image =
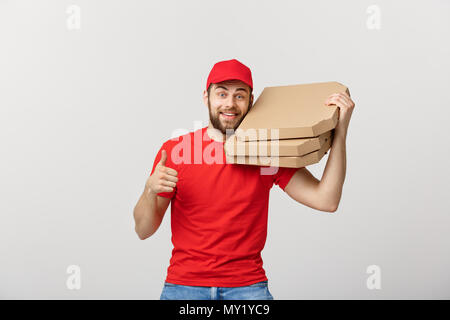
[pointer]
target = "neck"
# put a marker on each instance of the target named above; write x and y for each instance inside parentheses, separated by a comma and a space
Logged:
(215, 134)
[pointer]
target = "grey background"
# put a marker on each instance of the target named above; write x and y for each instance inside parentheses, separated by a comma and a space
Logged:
(83, 113)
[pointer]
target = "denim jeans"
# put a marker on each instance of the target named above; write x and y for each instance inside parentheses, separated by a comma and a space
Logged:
(256, 291)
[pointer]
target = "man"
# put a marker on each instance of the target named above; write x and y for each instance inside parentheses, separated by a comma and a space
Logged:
(219, 211)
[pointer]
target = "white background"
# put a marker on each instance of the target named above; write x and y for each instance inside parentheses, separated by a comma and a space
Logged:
(84, 111)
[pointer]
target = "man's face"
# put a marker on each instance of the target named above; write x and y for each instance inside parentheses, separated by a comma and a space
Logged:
(228, 104)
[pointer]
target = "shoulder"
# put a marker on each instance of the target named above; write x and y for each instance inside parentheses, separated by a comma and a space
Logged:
(179, 146)
(183, 136)
(177, 138)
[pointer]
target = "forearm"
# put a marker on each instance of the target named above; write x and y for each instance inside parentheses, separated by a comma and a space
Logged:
(146, 215)
(333, 177)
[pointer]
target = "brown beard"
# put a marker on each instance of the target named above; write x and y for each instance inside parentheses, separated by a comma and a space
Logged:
(215, 121)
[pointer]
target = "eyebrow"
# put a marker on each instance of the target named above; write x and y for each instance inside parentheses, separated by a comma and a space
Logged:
(218, 87)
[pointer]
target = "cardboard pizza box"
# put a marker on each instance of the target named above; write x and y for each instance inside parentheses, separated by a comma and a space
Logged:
(285, 147)
(289, 162)
(293, 111)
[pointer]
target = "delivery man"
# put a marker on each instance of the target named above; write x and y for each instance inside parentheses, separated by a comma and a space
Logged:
(219, 210)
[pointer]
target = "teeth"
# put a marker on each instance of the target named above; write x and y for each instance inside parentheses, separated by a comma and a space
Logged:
(229, 114)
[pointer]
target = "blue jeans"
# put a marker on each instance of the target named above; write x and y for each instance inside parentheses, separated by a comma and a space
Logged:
(256, 291)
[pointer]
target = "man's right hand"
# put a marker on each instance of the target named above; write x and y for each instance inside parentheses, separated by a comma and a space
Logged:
(163, 179)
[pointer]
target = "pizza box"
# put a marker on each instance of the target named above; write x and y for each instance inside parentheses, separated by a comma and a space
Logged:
(292, 111)
(284, 147)
(289, 162)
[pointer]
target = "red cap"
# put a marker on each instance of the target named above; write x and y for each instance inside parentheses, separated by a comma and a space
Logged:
(229, 70)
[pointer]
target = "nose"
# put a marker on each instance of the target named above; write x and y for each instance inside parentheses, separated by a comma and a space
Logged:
(230, 102)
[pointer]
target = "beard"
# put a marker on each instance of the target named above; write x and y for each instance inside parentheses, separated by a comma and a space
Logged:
(230, 125)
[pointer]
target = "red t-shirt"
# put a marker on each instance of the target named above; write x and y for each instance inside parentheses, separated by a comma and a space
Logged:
(218, 213)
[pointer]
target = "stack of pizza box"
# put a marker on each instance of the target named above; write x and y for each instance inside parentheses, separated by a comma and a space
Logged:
(288, 126)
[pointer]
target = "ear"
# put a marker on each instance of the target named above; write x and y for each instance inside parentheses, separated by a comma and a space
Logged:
(205, 97)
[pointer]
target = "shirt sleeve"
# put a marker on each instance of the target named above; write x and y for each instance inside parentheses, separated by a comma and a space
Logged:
(283, 176)
(169, 164)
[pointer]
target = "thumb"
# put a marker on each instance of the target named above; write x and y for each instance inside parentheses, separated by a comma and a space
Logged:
(163, 158)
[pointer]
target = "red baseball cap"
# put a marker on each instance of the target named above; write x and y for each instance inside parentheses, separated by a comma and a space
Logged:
(230, 70)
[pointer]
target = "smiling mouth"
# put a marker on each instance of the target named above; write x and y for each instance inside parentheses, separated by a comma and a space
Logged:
(227, 115)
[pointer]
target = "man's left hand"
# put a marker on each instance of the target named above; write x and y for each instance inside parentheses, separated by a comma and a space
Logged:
(346, 105)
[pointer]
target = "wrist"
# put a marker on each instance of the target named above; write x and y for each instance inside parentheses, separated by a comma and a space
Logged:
(149, 193)
(340, 133)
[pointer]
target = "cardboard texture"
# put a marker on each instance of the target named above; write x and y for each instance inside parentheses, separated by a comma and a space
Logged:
(293, 111)
(289, 162)
(286, 147)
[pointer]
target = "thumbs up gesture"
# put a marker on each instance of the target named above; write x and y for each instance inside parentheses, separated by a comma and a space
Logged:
(163, 179)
